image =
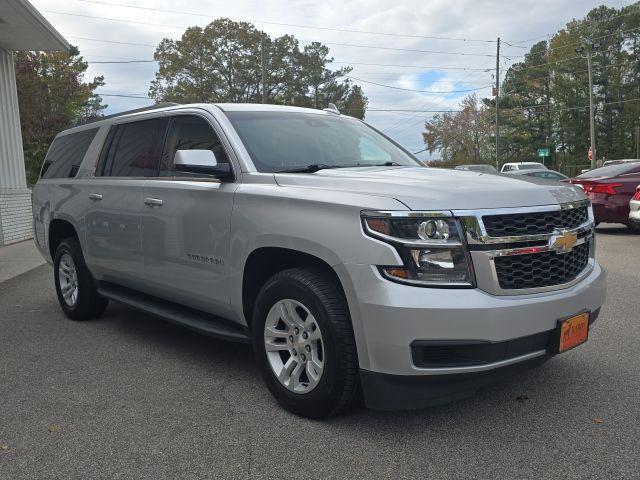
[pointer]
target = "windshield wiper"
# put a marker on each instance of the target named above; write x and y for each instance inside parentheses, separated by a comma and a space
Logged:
(314, 167)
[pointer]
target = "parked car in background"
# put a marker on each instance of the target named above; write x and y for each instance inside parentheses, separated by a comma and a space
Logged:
(610, 189)
(634, 211)
(541, 173)
(482, 168)
(616, 162)
(515, 166)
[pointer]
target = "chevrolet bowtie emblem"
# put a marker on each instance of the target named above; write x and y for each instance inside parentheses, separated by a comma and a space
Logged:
(563, 242)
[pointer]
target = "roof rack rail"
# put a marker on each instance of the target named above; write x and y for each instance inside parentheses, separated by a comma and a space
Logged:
(135, 110)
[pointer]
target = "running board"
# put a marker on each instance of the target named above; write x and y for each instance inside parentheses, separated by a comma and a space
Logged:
(187, 317)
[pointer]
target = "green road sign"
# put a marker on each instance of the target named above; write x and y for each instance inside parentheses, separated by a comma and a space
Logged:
(543, 152)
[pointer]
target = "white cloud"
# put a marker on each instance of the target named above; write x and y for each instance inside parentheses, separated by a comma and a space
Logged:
(515, 20)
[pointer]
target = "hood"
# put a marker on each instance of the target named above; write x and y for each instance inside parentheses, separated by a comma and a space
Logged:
(438, 189)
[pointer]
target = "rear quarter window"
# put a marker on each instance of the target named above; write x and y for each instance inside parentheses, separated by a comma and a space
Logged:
(66, 153)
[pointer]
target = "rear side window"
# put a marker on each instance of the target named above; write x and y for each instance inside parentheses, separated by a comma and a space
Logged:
(190, 132)
(66, 153)
(136, 152)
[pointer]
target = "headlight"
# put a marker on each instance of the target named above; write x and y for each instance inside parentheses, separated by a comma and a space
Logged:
(431, 246)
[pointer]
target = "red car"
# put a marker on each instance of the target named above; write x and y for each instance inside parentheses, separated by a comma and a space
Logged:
(610, 189)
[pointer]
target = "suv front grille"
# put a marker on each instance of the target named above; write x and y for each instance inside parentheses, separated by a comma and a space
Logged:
(543, 269)
(534, 223)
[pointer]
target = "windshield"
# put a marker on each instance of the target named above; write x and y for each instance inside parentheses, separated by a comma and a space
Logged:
(611, 170)
(530, 166)
(284, 140)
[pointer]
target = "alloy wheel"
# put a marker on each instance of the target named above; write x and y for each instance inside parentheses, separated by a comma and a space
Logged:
(293, 343)
(68, 279)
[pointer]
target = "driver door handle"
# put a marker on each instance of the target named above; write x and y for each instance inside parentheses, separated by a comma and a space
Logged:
(95, 196)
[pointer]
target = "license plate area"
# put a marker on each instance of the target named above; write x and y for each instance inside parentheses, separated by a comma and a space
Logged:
(573, 331)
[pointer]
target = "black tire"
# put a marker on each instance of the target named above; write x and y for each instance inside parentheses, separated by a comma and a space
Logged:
(88, 304)
(633, 227)
(339, 385)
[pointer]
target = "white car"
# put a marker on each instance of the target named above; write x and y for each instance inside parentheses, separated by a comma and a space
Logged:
(515, 166)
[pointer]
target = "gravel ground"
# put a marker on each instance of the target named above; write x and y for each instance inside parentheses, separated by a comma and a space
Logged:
(128, 396)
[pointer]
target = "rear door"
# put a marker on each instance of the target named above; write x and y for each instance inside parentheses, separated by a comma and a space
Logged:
(130, 156)
(185, 222)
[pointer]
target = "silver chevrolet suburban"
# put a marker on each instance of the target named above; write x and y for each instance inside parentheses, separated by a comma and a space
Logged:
(353, 270)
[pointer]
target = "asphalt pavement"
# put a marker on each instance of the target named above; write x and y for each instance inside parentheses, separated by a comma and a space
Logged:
(129, 396)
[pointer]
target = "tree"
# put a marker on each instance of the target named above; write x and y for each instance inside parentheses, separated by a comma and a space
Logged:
(356, 103)
(222, 62)
(462, 137)
(545, 97)
(52, 96)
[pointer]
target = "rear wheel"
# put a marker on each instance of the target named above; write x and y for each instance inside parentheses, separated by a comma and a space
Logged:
(304, 343)
(75, 286)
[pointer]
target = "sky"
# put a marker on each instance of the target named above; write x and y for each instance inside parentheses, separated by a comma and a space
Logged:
(419, 56)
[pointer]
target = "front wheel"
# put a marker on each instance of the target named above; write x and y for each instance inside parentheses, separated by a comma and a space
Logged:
(304, 343)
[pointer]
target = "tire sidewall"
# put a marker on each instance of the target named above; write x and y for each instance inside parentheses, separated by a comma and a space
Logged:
(85, 304)
(317, 402)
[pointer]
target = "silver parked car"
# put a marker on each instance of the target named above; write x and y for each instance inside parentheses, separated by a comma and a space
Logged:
(481, 168)
(350, 268)
(544, 173)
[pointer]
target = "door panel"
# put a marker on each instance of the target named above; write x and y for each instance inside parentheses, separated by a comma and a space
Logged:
(112, 224)
(185, 242)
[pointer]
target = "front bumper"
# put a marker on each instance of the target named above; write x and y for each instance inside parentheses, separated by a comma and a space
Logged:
(394, 316)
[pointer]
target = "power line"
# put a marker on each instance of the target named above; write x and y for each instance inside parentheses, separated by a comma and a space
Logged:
(403, 124)
(561, 109)
(421, 67)
(588, 22)
(352, 45)
(431, 67)
(122, 61)
(123, 95)
(316, 27)
(419, 91)
(113, 41)
(400, 110)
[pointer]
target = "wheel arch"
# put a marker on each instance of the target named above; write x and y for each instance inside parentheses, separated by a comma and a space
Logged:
(264, 262)
(59, 229)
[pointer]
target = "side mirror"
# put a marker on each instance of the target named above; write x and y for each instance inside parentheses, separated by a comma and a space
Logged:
(200, 161)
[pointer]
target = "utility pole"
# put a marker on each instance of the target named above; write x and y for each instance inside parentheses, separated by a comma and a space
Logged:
(638, 142)
(592, 119)
(263, 60)
(497, 105)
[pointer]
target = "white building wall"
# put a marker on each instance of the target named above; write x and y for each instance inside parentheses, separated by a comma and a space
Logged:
(15, 198)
